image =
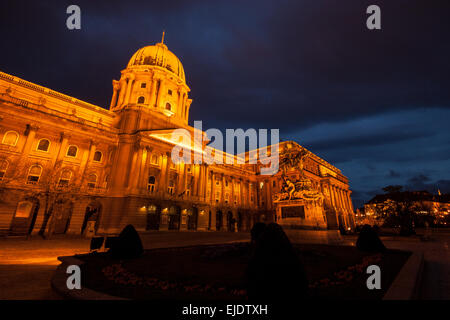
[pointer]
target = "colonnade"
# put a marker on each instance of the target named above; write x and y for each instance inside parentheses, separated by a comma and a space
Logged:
(154, 97)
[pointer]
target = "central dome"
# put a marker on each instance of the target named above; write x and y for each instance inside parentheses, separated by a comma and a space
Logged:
(158, 55)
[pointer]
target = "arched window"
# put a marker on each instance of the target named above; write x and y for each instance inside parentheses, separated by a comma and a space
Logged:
(151, 184)
(98, 156)
(43, 145)
(10, 138)
(168, 106)
(92, 181)
(3, 167)
(170, 188)
(72, 151)
(23, 209)
(34, 174)
(141, 100)
(65, 177)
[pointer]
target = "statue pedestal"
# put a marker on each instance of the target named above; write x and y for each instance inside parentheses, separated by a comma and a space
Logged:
(304, 222)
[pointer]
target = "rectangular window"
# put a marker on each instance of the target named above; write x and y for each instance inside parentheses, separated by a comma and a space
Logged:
(33, 179)
(63, 182)
(143, 85)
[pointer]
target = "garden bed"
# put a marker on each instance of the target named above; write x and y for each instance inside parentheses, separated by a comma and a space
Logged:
(216, 272)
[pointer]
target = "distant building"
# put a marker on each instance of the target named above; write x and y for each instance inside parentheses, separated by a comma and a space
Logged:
(376, 210)
(69, 167)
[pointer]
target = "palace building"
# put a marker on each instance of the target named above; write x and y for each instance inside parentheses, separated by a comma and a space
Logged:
(70, 167)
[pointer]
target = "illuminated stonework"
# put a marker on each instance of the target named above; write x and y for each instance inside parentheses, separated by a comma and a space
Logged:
(67, 166)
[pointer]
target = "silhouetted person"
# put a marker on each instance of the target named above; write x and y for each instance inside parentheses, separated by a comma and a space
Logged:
(128, 245)
(368, 240)
(96, 243)
(257, 230)
(275, 272)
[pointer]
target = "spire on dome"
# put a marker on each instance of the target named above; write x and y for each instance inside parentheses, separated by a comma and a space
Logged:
(162, 39)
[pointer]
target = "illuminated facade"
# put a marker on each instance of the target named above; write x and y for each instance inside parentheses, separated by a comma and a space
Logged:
(70, 167)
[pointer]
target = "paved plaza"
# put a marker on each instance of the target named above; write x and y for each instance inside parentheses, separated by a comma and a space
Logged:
(27, 265)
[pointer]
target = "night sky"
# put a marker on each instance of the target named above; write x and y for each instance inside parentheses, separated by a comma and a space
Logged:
(376, 104)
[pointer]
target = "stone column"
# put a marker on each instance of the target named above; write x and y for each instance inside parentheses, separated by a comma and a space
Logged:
(270, 194)
(85, 159)
(247, 193)
(213, 218)
(241, 193)
(31, 130)
(232, 191)
(168, 170)
(222, 197)
(211, 187)
(204, 181)
(185, 176)
(145, 161)
(142, 158)
(344, 199)
(122, 91)
(336, 199)
(116, 87)
(153, 92)
(160, 94)
(131, 78)
(200, 180)
(134, 163)
(195, 177)
(184, 105)
(350, 201)
(163, 176)
(64, 140)
(179, 106)
(57, 158)
(341, 199)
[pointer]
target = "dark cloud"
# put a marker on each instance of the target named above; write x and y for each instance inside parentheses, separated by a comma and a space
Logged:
(393, 174)
(419, 179)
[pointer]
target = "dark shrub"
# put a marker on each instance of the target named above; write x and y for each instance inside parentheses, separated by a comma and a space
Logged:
(128, 245)
(257, 230)
(275, 272)
(109, 242)
(96, 243)
(369, 241)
